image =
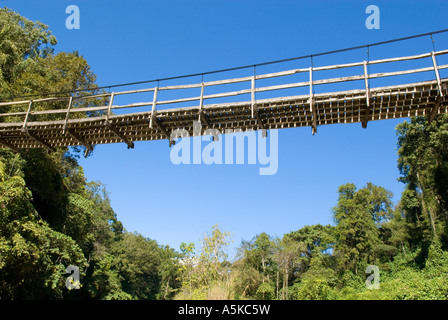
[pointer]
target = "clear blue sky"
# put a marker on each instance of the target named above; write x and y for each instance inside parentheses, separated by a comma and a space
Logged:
(126, 41)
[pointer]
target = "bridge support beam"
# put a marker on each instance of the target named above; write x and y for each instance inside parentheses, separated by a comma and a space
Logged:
(202, 117)
(32, 135)
(162, 128)
(8, 145)
(261, 126)
(81, 140)
(434, 109)
(40, 141)
(121, 135)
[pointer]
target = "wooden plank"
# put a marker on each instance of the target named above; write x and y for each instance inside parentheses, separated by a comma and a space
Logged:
(11, 114)
(183, 86)
(34, 100)
(227, 81)
(134, 91)
(404, 72)
(398, 59)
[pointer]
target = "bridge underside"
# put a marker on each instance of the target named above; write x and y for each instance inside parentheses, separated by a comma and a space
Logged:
(416, 99)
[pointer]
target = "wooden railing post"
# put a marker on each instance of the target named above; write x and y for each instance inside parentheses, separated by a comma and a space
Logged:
(366, 82)
(436, 106)
(312, 105)
(153, 109)
(436, 70)
(70, 101)
(109, 109)
(24, 129)
(252, 95)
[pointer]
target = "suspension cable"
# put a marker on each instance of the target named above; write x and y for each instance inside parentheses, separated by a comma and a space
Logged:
(242, 67)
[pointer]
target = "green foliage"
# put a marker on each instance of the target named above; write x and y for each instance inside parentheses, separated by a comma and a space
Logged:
(137, 260)
(22, 40)
(265, 291)
(52, 217)
(33, 256)
(202, 276)
(358, 215)
(423, 164)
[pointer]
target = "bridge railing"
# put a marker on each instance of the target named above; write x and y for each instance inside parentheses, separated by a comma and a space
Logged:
(68, 109)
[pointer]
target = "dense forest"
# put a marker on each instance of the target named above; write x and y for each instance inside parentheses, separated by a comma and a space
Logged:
(52, 217)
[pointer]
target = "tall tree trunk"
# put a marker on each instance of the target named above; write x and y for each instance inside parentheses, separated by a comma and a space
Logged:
(425, 208)
(166, 289)
(264, 268)
(283, 286)
(286, 283)
(402, 246)
(277, 283)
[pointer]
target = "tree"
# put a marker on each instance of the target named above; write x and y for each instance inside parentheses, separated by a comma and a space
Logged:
(318, 239)
(423, 165)
(22, 41)
(213, 253)
(33, 256)
(258, 252)
(169, 273)
(358, 215)
(137, 260)
(288, 256)
(61, 219)
(255, 267)
(207, 275)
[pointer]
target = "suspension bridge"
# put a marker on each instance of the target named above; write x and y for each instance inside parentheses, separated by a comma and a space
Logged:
(71, 123)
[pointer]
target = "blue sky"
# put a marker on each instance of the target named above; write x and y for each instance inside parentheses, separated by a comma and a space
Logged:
(127, 41)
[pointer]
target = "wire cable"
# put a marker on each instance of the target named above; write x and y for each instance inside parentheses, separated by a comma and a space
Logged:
(240, 67)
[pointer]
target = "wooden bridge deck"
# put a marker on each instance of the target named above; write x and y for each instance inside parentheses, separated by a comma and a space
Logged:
(313, 110)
